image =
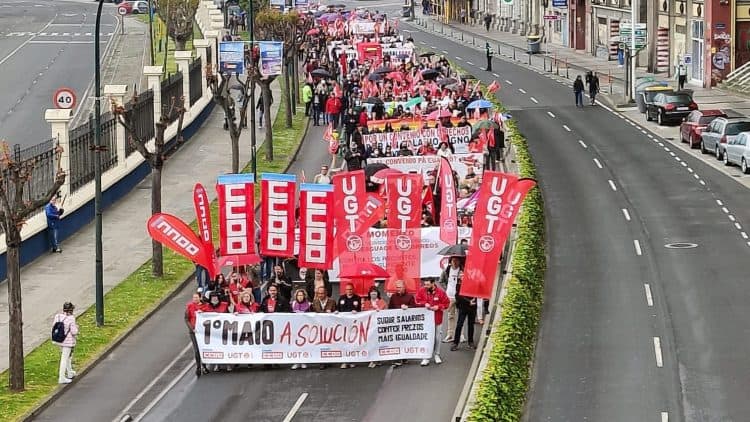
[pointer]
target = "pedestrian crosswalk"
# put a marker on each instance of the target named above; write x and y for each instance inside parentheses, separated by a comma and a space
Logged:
(53, 34)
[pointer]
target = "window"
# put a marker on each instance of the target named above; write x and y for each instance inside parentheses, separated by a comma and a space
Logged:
(697, 29)
(736, 128)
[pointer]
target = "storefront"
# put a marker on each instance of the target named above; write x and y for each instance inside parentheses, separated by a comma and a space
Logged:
(697, 44)
(606, 16)
(742, 34)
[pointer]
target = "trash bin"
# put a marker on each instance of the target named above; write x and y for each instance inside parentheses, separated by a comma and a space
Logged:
(406, 11)
(535, 44)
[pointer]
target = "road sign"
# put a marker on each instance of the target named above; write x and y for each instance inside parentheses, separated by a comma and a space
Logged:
(64, 98)
(626, 34)
(122, 10)
(551, 17)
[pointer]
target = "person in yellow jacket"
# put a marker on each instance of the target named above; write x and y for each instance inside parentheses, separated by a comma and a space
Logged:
(307, 96)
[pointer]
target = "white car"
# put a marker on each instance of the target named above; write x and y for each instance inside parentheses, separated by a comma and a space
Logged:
(737, 152)
(140, 6)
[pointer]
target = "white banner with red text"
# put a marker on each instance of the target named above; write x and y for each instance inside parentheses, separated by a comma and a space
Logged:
(459, 137)
(460, 163)
(290, 338)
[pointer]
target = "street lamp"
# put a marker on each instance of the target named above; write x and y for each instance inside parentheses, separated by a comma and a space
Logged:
(250, 80)
(99, 268)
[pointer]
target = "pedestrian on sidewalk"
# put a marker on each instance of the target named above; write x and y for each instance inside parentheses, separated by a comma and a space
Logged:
(593, 82)
(261, 106)
(487, 21)
(578, 90)
(488, 51)
(53, 214)
(191, 310)
(66, 341)
(681, 76)
(307, 96)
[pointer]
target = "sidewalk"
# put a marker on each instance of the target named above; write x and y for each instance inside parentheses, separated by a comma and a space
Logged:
(513, 46)
(56, 278)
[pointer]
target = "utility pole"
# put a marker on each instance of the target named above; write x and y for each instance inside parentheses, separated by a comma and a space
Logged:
(99, 267)
(633, 51)
(151, 31)
(250, 80)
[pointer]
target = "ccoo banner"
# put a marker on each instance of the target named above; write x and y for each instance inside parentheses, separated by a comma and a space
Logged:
(316, 226)
(315, 338)
(236, 194)
(277, 214)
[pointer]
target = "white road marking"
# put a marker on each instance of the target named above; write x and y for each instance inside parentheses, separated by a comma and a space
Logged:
(684, 164)
(612, 185)
(719, 203)
(731, 218)
(566, 128)
(508, 82)
(583, 144)
(550, 114)
(744, 235)
(293, 411)
(458, 58)
(690, 169)
(725, 209)
(422, 42)
(650, 135)
(5, 59)
(626, 214)
(470, 63)
(622, 117)
(738, 226)
(496, 75)
(672, 153)
(649, 298)
(676, 158)
(660, 144)
(598, 164)
(702, 182)
(521, 90)
(696, 176)
(664, 417)
(164, 392)
(643, 131)
(637, 245)
(657, 352)
(533, 100)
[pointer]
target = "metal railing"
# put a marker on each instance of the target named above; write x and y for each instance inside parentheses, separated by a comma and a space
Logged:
(171, 90)
(196, 82)
(81, 153)
(143, 121)
(45, 167)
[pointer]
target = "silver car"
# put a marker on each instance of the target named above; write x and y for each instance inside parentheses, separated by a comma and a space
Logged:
(737, 152)
(721, 131)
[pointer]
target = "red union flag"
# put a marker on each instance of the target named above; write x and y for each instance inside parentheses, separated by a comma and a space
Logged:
(448, 214)
(404, 251)
(349, 198)
(203, 217)
(503, 195)
(277, 214)
(236, 193)
(173, 233)
(316, 226)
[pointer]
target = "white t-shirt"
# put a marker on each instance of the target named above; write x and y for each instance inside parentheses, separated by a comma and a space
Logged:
(450, 290)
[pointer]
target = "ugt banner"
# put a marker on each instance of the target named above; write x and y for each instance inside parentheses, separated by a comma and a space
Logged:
(503, 195)
(277, 214)
(236, 194)
(315, 338)
(349, 197)
(173, 233)
(316, 226)
(404, 221)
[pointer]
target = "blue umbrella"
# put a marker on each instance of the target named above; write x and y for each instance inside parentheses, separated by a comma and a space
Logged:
(480, 104)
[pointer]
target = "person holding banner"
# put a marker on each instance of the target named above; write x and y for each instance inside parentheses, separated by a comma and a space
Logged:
(467, 312)
(191, 309)
(349, 302)
(401, 299)
(247, 304)
(300, 304)
(433, 298)
(274, 303)
(323, 304)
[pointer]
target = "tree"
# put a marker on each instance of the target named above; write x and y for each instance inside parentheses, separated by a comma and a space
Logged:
(178, 16)
(293, 39)
(221, 95)
(16, 204)
(155, 157)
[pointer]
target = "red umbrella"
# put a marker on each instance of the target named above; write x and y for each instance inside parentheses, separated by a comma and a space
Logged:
(439, 114)
(364, 270)
(313, 31)
(237, 260)
(395, 76)
(380, 175)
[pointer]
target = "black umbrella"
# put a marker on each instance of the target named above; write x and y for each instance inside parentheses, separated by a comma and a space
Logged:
(467, 76)
(430, 74)
(371, 169)
(446, 81)
(454, 250)
(427, 54)
(374, 77)
(383, 70)
(374, 100)
(321, 73)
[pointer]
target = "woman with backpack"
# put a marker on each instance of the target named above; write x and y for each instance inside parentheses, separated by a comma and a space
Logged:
(64, 334)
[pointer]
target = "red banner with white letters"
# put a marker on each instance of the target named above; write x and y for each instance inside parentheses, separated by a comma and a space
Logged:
(277, 214)
(316, 226)
(404, 250)
(502, 195)
(203, 217)
(448, 210)
(349, 198)
(236, 195)
(173, 233)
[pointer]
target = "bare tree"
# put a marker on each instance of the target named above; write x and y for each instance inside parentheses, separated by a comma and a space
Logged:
(220, 90)
(178, 16)
(154, 156)
(16, 205)
(293, 39)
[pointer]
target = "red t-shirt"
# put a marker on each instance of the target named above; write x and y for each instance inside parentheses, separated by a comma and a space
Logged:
(234, 290)
(271, 305)
(190, 310)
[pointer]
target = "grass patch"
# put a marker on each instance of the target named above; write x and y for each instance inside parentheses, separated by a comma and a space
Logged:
(160, 49)
(121, 311)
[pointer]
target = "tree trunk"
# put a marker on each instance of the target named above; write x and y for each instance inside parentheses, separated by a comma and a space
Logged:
(286, 94)
(265, 88)
(179, 44)
(157, 252)
(12, 259)
(295, 79)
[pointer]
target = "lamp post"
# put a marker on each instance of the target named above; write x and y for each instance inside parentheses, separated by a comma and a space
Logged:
(250, 80)
(99, 268)
(632, 49)
(151, 30)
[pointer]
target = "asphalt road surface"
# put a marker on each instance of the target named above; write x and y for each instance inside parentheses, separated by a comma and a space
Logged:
(44, 45)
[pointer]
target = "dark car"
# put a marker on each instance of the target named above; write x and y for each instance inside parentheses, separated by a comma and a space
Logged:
(670, 107)
(694, 123)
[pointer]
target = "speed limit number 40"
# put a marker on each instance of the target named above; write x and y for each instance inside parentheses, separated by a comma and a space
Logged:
(64, 98)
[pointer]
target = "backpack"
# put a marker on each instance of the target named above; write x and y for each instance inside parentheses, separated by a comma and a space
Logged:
(58, 332)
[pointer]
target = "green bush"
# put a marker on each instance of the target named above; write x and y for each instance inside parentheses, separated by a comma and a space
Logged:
(504, 382)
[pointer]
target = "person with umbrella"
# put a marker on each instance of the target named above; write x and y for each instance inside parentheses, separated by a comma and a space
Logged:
(449, 280)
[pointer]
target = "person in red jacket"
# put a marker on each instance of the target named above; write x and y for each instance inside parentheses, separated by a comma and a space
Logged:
(434, 298)
(191, 309)
(363, 118)
(333, 110)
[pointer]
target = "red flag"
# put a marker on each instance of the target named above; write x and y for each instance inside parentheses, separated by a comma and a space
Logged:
(491, 137)
(404, 250)
(203, 217)
(482, 139)
(277, 214)
(173, 233)
(493, 87)
(428, 200)
(448, 212)
(503, 195)
(349, 196)
(316, 226)
(236, 193)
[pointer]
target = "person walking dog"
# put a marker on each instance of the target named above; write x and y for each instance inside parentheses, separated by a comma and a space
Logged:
(64, 334)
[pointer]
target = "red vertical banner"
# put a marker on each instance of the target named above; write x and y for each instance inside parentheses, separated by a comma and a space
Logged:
(404, 248)
(277, 214)
(203, 217)
(448, 210)
(503, 195)
(316, 226)
(349, 198)
(236, 194)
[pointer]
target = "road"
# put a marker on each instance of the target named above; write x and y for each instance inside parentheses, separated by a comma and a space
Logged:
(633, 328)
(44, 45)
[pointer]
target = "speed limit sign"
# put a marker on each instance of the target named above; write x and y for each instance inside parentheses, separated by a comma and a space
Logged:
(64, 98)
(122, 10)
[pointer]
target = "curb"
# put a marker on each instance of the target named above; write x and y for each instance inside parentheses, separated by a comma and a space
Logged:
(61, 389)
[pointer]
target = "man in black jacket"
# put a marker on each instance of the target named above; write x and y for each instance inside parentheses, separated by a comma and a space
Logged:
(274, 303)
(349, 302)
(467, 312)
(282, 282)
(354, 158)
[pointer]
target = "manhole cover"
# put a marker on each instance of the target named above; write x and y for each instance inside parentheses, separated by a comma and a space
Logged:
(681, 245)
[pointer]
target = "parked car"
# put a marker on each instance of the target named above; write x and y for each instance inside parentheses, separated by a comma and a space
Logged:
(670, 107)
(649, 93)
(737, 151)
(127, 5)
(694, 123)
(721, 131)
(140, 6)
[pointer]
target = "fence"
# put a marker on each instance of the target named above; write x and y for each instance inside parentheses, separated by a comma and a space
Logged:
(82, 150)
(143, 118)
(196, 80)
(171, 92)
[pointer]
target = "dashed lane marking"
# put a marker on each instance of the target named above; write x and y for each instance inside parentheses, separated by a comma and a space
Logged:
(612, 185)
(551, 114)
(583, 144)
(598, 164)
(649, 298)
(566, 128)
(626, 214)
(637, 246)
(521, 90)
(533, 100)
(657, 352)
